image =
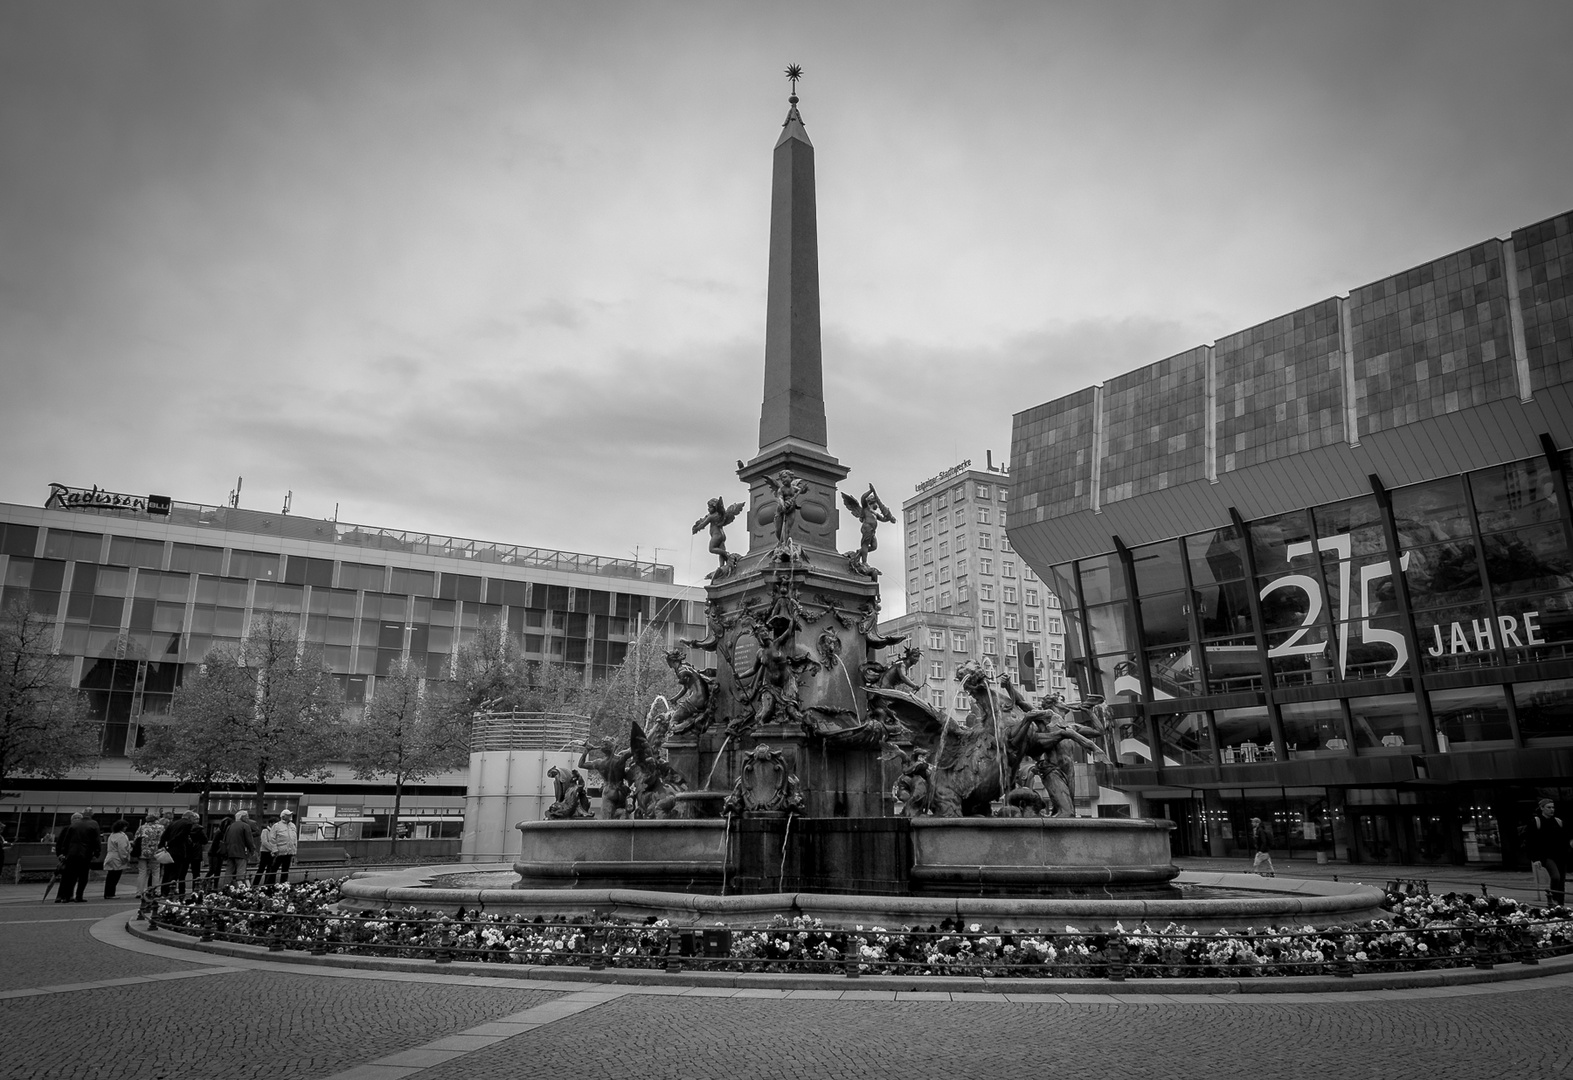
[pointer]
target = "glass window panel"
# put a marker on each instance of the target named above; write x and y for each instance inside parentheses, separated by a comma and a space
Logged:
(135, 551)
(169, 617)
(1441, 575)
(1529, 560)
(202, 620)
(195, 558)
(142, 614)
(1186, 739)
(1101, 580)
(1386, 725)
(49, 574)
(1471, 714)
(1314, 729)
(1158, 568)
(1455, 637)
(1428, 513)
(1165, 620)
(442, 613)
(1233, 665)
(300, 570)
(337, 657)
(1063, 582)
(423, 582)
(468, 587)
(1244, 735)
(365, 661)
(1271, 538)
(391, 636)
(66, 544)
(1224, 610)
(1121, 680)
(112, 582)
(232, 592)
(207, 589)
(73, 641)
(1110, 627)
(370, 631)
(228, 622)
(147, 584)
(1545, 708)
(1292, 600)
(1535, 627)
(107, 610)
(1508, 496)
(440, 639)
(1174, 672)
(19, 573)
(253, 564)
(21, 540)
(174, 586)
(1359, 519)
(1216, 556)
(1374, 658)
(358, 576)
(1304, 668)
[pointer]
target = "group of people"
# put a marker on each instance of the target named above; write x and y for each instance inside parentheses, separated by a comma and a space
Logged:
(167, 850)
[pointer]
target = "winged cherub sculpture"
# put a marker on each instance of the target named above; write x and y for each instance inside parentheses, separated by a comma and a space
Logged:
(718, 515)
(870, 510)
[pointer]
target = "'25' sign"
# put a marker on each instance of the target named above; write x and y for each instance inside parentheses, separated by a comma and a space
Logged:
(1306, 583)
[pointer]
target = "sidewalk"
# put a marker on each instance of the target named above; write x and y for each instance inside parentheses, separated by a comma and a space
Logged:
(1517, 884)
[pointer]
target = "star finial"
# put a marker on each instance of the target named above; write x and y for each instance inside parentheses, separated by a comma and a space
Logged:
(794, 72)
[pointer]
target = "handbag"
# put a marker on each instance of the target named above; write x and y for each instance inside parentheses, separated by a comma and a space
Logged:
(136, 848)
(164, 857)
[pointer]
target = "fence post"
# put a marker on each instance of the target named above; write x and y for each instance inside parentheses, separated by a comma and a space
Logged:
(1343, 967)
(1118, 954)
(597, 940)
(674, 953)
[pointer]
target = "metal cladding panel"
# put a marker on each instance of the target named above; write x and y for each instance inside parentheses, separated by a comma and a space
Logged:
(1486, 435)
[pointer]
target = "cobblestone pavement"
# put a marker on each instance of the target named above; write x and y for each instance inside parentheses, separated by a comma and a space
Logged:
(175, 1015)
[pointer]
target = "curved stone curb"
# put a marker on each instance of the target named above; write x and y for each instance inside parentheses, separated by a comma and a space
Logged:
(1296, 899)
(1265, 986)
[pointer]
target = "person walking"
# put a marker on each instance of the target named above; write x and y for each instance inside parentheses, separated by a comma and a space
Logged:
(1262, 844)
(1548, 843)
(282, 841)
(78, 846)
(216, 850)
(263, 874)
(239, 846)
(184, 840)
(4, 843)
(117, 856)
(144, 848)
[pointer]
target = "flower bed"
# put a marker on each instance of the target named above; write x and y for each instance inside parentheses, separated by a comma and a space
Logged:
(1422, 932)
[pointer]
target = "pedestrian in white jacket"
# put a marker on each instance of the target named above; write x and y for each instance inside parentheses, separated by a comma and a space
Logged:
(281, 840)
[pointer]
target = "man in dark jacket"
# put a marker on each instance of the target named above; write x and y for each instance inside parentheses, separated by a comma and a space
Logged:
(184, 840)
(239, 844)
(77, 847)
(1547, 842)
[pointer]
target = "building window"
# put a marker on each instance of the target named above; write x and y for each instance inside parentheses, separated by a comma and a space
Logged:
(959, 494)
(986, 591)
(961, 541)
(963, 700)
(936, 639)
(928, 529)
(1011, 621)
(912, 536)
(1004, 494)
(1005, 540)
(1057, 681)
(928, 603)
(988, 645)
(912, 583)
(1026, 572)
(1032, 624)
(937, 698)
(928, 579)
(944, 523)
(1011, 646)
(963, 594)
(944, 600)
(1032, 597)
(1010, 594)
(928, 554)
(1049, 599)
(1010, 568)
(983, 515)
(983, 491)
(958, 642)
(1055, 626)
(985, 541)
(944, 572)
(944, 549)
(936, 669)
(987, 617)
(1056, 651)
(985, 566)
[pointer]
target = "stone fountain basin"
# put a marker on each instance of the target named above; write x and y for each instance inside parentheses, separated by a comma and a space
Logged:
(1258, 902)
(1014, 854)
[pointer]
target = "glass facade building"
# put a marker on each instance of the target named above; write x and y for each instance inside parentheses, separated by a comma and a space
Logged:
(1324, 575)
(139, 599)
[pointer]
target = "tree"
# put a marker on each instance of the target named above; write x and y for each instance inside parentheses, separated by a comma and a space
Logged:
(255, 712)
(615, 702)
(406, 734)
(46, 728)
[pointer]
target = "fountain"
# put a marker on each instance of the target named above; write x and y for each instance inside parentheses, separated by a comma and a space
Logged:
(803, 772)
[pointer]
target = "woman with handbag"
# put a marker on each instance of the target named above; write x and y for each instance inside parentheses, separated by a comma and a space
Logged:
(145, 851)
(117, 856)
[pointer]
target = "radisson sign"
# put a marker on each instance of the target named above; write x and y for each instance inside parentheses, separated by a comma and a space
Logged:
(62, 497)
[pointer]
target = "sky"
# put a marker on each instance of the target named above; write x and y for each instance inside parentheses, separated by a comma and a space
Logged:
(497, 270)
